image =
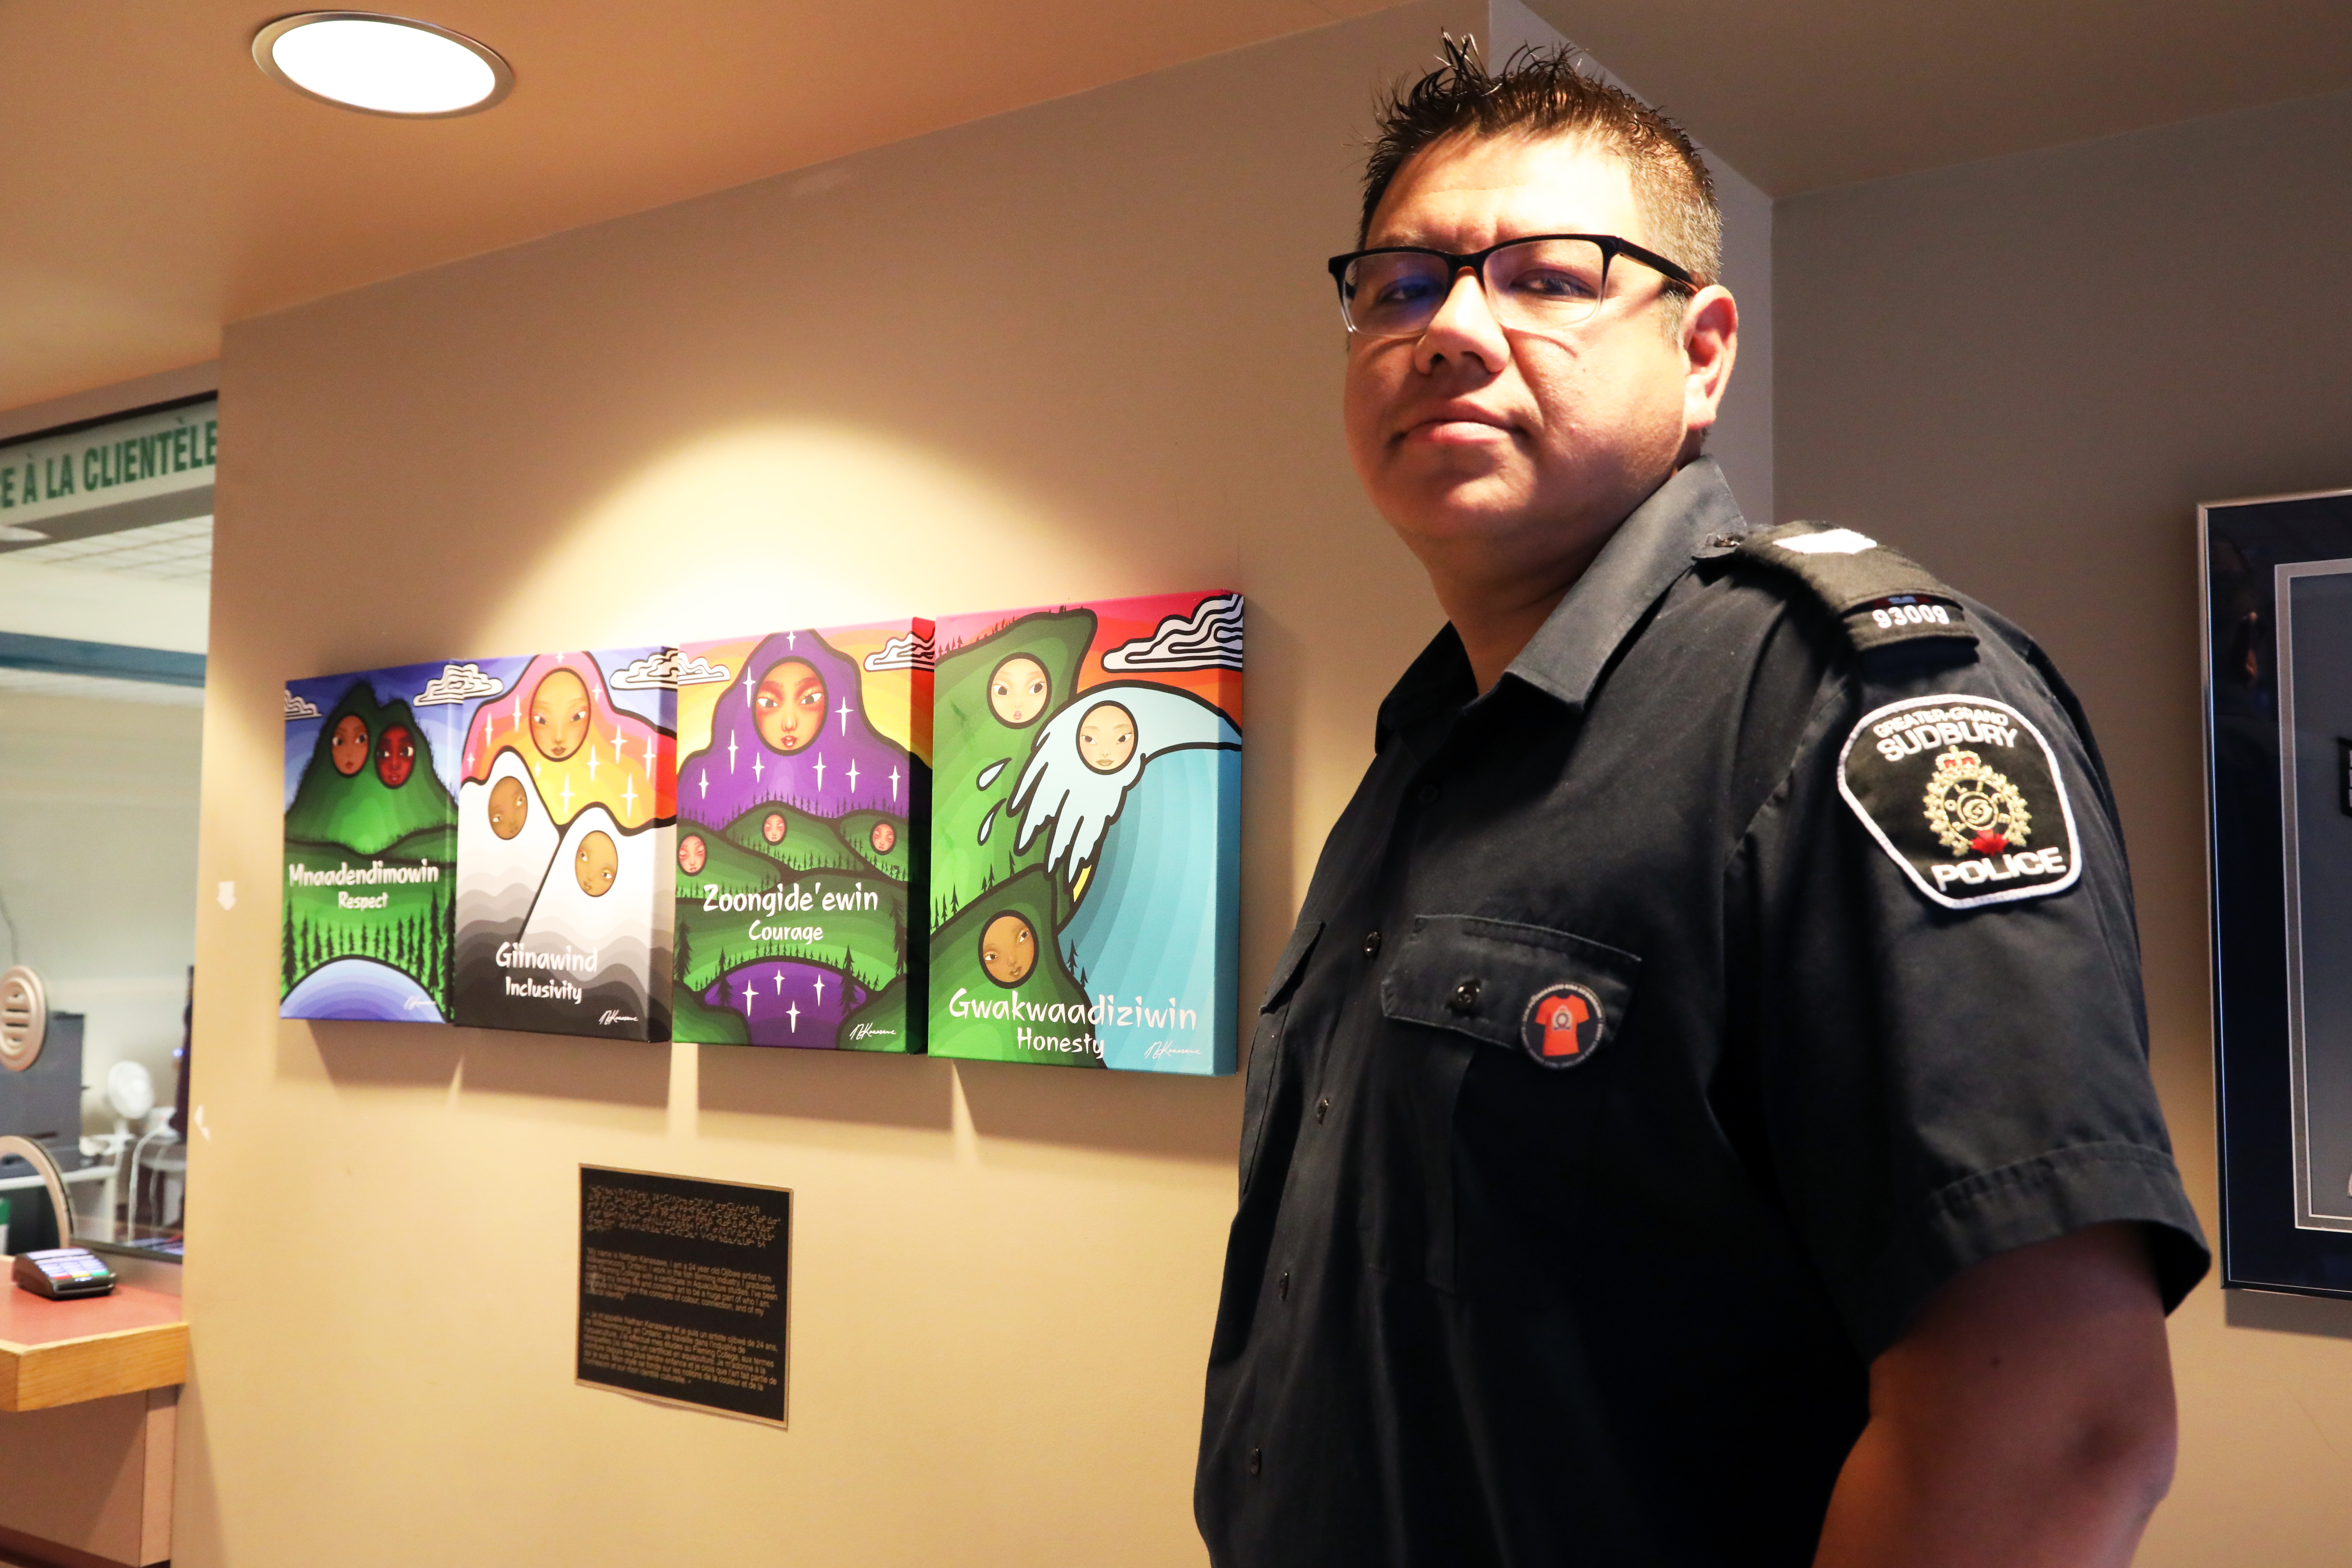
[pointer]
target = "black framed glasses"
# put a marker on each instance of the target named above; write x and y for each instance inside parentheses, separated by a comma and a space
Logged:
(1539, 283)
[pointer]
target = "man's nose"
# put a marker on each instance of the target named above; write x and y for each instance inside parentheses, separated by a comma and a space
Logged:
(1464, 329)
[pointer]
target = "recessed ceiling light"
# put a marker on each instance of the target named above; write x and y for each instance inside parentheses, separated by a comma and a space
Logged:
(383, 64)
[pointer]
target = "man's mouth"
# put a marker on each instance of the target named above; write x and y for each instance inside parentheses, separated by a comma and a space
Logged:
(1456, 426)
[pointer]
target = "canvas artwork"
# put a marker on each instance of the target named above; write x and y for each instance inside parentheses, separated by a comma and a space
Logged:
(804, 795)
(566, 817)
(1085, 833)
(370, 848)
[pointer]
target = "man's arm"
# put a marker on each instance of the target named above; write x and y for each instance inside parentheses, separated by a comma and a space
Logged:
(2025, 1421)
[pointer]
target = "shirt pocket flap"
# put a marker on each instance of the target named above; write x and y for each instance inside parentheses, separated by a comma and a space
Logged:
(1293, 960)
(1557, 996)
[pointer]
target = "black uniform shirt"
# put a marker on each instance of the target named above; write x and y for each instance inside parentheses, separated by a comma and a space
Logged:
(1662, 1027)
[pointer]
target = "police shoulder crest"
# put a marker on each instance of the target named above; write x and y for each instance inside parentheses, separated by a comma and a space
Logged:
(1966, 797)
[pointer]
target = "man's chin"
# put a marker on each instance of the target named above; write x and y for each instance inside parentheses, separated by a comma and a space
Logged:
(1462, 512)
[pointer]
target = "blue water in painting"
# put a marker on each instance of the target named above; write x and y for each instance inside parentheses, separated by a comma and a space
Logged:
(1148, 928)
(359, 989)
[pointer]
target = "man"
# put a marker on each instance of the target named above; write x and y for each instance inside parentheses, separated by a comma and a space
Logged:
(1701, 1115)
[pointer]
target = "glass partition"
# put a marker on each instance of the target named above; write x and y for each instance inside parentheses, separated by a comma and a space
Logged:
(105, 585)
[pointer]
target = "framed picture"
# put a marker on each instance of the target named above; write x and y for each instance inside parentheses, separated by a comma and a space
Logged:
(2277, 599)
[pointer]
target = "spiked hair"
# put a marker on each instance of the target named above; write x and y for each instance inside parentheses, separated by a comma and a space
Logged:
(1548, 93)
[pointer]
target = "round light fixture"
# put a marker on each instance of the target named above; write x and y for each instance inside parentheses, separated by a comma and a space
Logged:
(383, 64)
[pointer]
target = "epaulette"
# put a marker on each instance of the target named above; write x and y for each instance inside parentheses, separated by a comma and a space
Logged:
(1882, 598)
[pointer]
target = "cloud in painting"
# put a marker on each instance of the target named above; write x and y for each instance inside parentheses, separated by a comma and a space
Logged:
(1208, 638)
(663, 671)
(458, 683)
(908, 652)
(300, 708)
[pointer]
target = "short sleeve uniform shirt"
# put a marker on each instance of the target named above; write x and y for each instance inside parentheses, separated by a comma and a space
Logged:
(1661, 1028)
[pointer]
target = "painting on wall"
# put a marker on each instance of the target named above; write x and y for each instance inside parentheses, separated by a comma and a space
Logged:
(803, 808)
(2277, 592)
(566, 817)
(1085, 833)
(371, 844)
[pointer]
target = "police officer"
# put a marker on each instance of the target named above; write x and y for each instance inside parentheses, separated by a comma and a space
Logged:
(1701, 1115)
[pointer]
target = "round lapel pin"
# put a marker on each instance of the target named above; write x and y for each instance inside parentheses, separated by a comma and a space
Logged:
(1563, 1025)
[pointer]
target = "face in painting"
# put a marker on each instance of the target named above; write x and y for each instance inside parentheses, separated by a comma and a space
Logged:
(692, 854)
(348, 750)
(787, 708)
(1499, 458)
(1019, 691)
(1008, 950)
(884, 839)
(510, 807)
(395, 756)
(1107, 737)
(559, 715)
(595, 865)
(773, 826)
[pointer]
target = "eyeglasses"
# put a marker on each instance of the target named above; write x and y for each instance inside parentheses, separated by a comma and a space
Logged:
(1543, 282)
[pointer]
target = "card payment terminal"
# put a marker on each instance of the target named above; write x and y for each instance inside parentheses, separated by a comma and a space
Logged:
(63, 1273)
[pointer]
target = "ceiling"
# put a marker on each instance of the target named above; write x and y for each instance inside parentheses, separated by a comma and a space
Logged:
(160, 186)
(1802, 94)
(156, 184)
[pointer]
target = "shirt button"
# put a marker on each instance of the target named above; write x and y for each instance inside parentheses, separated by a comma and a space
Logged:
(1371, 945)
(1322, 1108)
(1428, 795)
(1465, 998)
(1282, 1286)
(1257, 1460)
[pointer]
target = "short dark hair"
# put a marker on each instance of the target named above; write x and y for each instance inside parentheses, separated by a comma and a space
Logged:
(1547, 92)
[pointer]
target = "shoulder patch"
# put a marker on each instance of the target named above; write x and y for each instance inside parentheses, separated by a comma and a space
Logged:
(1965, 796)
(1881, 597)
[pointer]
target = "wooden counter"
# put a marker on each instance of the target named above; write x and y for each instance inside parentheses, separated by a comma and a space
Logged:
(88, 1414)
(61, 1352)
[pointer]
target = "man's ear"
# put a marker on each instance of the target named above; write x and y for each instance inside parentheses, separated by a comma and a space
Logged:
(1710, 344)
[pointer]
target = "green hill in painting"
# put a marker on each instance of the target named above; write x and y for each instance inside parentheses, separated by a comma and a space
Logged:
(957, 971)
(866, 945)
(361, 813)
(810, 843)
(971, 840)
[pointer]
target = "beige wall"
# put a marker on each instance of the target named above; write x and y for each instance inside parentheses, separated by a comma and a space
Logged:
(1086, 349)
(2028, 373)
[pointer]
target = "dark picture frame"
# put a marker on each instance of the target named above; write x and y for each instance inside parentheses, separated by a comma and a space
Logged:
(2275, 591)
